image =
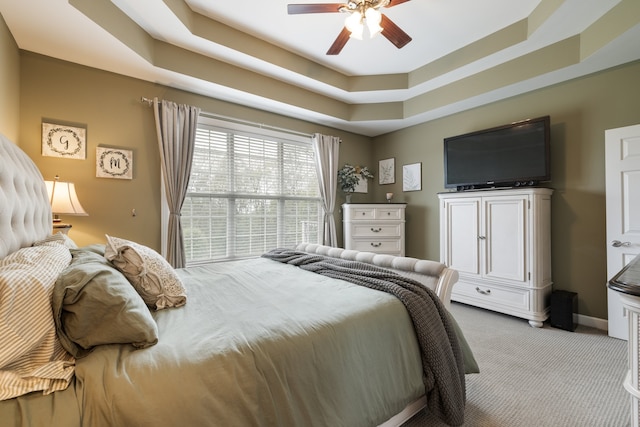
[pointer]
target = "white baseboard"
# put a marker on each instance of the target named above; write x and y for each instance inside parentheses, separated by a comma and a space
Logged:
(592, 322)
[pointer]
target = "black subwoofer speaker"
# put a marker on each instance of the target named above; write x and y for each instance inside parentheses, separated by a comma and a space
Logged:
(563, 305)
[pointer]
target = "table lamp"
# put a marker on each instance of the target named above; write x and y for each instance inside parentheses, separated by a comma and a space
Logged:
(64, 201)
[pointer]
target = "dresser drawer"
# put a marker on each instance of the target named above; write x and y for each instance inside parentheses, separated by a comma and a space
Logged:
(390, 213)
(488, 296)
(378, 229)
(365, 213)
(378, 246)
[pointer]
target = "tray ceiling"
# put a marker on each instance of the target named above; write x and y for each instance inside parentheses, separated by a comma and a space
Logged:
(464, 53)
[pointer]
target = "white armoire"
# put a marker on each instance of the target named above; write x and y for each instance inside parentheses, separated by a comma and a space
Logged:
(499, 241)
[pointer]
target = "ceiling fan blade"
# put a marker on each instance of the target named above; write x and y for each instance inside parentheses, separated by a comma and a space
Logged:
(396, 2)
(394, 33)
(293, 9)
(339, 43)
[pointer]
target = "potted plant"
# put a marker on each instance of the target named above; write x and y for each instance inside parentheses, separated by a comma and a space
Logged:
(349, 176)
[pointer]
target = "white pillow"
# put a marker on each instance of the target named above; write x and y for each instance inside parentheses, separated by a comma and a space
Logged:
(149, 273)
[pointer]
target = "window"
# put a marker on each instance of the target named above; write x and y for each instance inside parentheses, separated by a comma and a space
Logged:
(251, 190)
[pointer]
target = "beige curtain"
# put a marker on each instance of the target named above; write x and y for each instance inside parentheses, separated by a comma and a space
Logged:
(326, 149)
(176, 128)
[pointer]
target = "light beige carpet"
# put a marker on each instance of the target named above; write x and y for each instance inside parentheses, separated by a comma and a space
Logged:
(539, 377)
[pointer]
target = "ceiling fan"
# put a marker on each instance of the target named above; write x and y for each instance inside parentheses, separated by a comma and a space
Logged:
(360, 12)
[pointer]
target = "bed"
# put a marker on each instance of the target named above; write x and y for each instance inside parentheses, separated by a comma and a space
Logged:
(299, 336)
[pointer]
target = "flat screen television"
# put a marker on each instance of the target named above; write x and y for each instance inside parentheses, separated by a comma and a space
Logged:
(511, 155)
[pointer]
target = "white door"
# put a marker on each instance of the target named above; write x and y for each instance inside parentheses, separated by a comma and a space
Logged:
(622, 162)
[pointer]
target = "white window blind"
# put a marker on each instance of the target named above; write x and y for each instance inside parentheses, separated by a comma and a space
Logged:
(250, 190)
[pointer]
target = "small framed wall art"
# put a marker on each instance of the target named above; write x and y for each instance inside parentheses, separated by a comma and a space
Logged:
(69, 142)
(387, 171)
(114, 163)
(412, 177)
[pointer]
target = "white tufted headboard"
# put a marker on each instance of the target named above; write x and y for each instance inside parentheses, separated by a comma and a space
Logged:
(25, 213)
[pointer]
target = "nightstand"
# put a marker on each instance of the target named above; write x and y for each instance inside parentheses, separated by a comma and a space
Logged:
(59, 227)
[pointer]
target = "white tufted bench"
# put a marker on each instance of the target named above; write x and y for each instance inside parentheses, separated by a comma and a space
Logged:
(434, 275)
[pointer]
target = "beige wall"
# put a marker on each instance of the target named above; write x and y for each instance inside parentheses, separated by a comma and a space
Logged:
(581, 110)
(109, 106)
(9, 83)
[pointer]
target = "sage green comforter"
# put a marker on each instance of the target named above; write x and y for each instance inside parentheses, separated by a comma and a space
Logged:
(248, 349)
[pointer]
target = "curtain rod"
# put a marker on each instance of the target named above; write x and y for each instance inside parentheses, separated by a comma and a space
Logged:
(149, 102)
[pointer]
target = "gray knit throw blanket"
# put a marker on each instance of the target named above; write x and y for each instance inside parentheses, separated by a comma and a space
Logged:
(442, 358)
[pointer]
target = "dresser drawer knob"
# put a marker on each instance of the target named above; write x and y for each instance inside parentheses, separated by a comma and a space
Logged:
(376, 245)
(480, 291)
(376, 230)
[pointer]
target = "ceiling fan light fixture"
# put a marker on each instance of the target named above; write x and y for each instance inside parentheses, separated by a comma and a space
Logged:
(373, 18)
(353, 23)
(358, 11)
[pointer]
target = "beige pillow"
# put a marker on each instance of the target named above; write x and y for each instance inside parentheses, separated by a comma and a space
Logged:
(149, 273)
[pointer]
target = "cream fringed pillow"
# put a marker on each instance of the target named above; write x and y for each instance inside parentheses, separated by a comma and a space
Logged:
(149, 273)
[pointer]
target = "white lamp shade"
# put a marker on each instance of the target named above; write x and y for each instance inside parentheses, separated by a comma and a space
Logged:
(353, 23)
(63, 198)
(373, 17)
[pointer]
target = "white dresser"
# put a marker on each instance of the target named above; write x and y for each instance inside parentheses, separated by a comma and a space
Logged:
(374, 227)
(500, 243)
